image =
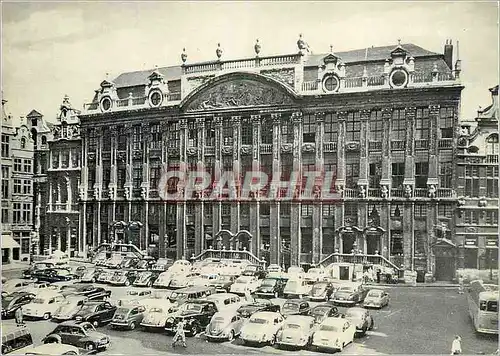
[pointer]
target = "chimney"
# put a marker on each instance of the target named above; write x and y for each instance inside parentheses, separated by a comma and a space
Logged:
(448, 54)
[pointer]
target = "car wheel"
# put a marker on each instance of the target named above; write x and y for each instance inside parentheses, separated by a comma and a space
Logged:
(273, 340)
(230, 336)
(132, 325)
(127, 283)
(194, 330)
(89, 346)
(46, 316)
(54, 339)
(95, 323)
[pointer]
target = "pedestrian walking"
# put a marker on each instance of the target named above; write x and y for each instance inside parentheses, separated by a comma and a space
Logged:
(456, 346)
(248, 297)
(378, 275)
(179, 334)
(460, 284)
(19, 316)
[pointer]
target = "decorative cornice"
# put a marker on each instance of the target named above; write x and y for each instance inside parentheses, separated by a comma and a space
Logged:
(296, 117)
(320, 117)
(255, 119)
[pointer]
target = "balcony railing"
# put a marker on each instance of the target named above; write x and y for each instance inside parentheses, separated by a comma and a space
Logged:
(398, 145)
(209, 150)
(310, 86)
(374, 145)
(266, 148)
(376, 81)
(229, 255)
(421, 193)
(397, 193)
(445, 143)
(374, 193)
(330, 146)
(358, 259)
(350, 193)
(444, 193)
(124, 104)
(353, 82)
(491, 159)
(421, 144)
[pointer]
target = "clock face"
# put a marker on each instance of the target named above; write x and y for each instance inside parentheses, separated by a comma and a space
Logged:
(155, 98)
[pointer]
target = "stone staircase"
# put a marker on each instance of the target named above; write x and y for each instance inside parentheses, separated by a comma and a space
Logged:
(358, 259)
(225, 254)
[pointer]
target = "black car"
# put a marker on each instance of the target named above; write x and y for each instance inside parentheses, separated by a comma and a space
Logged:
(36, 267)
(322, 311)
(87, 290)
(12, 302)
(96, 312)
(271, 287)
(259, 305)
(91, 275)
(146, 278)
(295, 307)
(146, 263)
(79, 334)
(196, 315)
(129, 263)
(255, 270)
(123, 278)
(223, 283)
(52, 275)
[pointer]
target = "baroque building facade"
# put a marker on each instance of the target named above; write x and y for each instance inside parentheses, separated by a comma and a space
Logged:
(381, 121)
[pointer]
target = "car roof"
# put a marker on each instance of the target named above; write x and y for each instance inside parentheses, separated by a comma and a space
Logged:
(295, 301)
(324, 305)
(299, 319)
(48, 294)
(334, 321)
(220, 296)
(201, 301)
(376, 290)
(226, 314)
(95, 302)
(73, 323)
(265, 314)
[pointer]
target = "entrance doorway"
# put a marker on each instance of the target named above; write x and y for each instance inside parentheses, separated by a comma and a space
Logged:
(344, 273)
(372, 244)
(445, 268)
(348, 240)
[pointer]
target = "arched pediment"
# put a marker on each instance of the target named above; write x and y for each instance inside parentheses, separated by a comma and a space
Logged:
(238, 90)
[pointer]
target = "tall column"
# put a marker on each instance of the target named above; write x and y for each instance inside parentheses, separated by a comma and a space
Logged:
(59, 239)
(199, 242)
(216, 210)
(69, 189)
(317, 217)
(235, 205)
(274, 216)
(385, 181)
(431, 222)
(363, 176)
(58, 193)
(83, 230)
(129, 168)
(113, 174)
(408, 235)
(385, 223)
(295, 207)
(163, 206)
(181, 204)
(341, 118)
(339, 222)
(50, 194)
(83, 190)
(255, 204)
(409, 179)
(98, 182)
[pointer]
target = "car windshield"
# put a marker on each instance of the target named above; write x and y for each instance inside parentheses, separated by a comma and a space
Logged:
(346, 289)
(354, 313)
(320, 310)
(88, 309)
(7, 299)
(122, 311)
(193, 307)
(329, 328)
(292, 326)
(258, 321)
(268, 282)
(375, 293)
(39, 301)
(133, 292)
(319, 286)
(291, 307)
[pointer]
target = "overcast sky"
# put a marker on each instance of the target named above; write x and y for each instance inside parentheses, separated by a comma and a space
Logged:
(53, 49)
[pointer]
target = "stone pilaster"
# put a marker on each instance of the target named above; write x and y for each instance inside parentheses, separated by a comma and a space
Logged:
(255, 205)
(295, 208)
(163, 207)
(216, 210)
(199, 232)
(385, 223)
(430, 223)
(385, 180)
(432, 179)
(129, 166)
(408, 241)
(341, 117)
(181, 203)
(199, 242)
(274, 217)
(339, 222)
(363, 149)
(409, 179)
(235, 205)
(317, 216)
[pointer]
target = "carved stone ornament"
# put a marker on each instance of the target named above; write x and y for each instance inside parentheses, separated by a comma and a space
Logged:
(192, 151)
(308, 147)
(81, 193)
(127, 193)
(470, 229)
(97, 192)
(195, 82)
(227, 150)
(340, 189)
(432, 191)
(246, 150)
(384, 192)
(239, 92)
(408, 191)
(121, 156)
(137, 155)
(286, 76)
(362, 191)
(174, 151)
(482, 202)
(91, 156)
(286, 148)
(112, 192)
(144, 192)
(461, 201)
(462, 142)
(352, 146)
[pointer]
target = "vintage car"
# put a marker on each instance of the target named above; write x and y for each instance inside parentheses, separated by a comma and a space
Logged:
(322, 311)
(16, 285)
(114, 262)
(254, 270)
(164, 279)
(204, 279)
(53, 349)
(262, 328)
(322, 290)
(105, 276)
(183, 280)
(259, 305)
(315, 274)
(79, 334)
(156, 297)
(129, 262)
(376, 298)
(13, 301)
(273, 268)
(361, 319)
(156, 315)
(297, 287)
(91, 275)
(162, 265)
(100, 260)
(224, 325)
(123, 278)
(224, 301)
(295, 307)
(43, 305)
(37, 266)
(95, 312)
(128, 317)
(271, 287)
(245, 284)
(180, 266)
(350, 294)
(145, 279)
(196, 315)
(297, 332)
(15, 339)
(87, 290)
(223, 283)
(334, 334)
(181, 296)
(295, 272)
(134, 296)
(78, 271)
(69, 308)
(145, 264)
(52, 275)
(38, 287)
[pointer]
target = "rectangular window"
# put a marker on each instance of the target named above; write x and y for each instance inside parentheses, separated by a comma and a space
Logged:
(18, 165)
(398, 125)
(65, 159)
(445, 174)
(492, 217)
(471, 217)
(173, 135)
(26, 217)
(396, 243)
(154, 129)
(92, 139)
(75, 157)
(5, 146)
(331, 127)
(309, 128)
(17, 186)
(492, 182)
(446, 116)
(286, 132)
(266, 130)
(376, 125)
(91, 177)
(329, 210)
(472, 181)
(422, 124)
(246, 132)
(5, 182)
(375, 174)
(192, 134)
(353, 126)
(306, 210)
(106, 177)
(27, 166)
(445, 211)
(106, 139)
(208, 209)
(351, 175)
(398, 175)
(16, 217)
(137, 177)
(226, 209)
(227, 133)
(26, 186)
(421, 173)
(122, 139)
(5, 215)
(154, 177)
(308, 165)
(209, 133)
(137, 138)
(121, 177)
(420, 210)
(351, 213)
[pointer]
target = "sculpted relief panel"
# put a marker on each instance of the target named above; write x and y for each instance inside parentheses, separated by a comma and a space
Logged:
(286, 76)
(238, 93)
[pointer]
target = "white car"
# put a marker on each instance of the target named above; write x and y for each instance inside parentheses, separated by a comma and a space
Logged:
(225, 301)
(16, 285)
(244, 284)
(315, 274)
(274, 268)
(180, 266)
(156, 315)
(297, 331)
(164, 279)
(134, 296)
(334, 334)
(224, 326)
(69, 308)
(203, 280)
(53, 349)
(295, 272)
(262, 328)
(39, 287)
(156, 297)
(297, 288)
(44, 305)
(183, 280)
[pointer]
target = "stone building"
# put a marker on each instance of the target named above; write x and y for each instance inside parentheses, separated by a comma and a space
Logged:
(381, 121)
(477, 172)
(17, 189)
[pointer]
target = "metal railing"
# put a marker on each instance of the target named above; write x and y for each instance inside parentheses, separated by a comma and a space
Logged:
(421, 193)
(310, 86)
(398, 145)
(444, 193)
(228, 255)
(445, 143)
(375, 145)
(364, 259)
(397, 193)
(491, 159)
(421, 144)
(374, 193)
(266, 148)
(350, 193)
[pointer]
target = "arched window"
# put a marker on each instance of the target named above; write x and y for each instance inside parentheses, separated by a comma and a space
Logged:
(23, 142)
(44, 140)
(492, 144)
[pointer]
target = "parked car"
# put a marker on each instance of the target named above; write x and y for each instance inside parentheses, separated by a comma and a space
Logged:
(295, 272)
(244, 284)
(204, 279)
(274, 268)
(180, 266)
(322, 311)
(105, 276)
(350, 294)
(156, 297)
(38, 287)
(259, 305)
(79, 334)
(224, 325)
(262, 328)
(37, 266)
(156, 315)
(224, 301)
(271, 287)
(69, 308)
(223, 283)
(361, 319)
(315, 274)
(54, 349)
(255, 270)
(181, 296)
(13, 301)
(321, 290)
(334, 334)
(134, 296)
(128, 317)
(295, 307)
(16, 285)
(97, 313)
(145, 279)
(52, 275)
(164, 279)
(91, 275)
(123, 278)
(196, 315)
(183, 280)
(376, 298)
(114, 262)
(162, 264)
(297, 288)
(129, 262)
(14, 339)
(297, 332)
(87, 290)
(43, 305)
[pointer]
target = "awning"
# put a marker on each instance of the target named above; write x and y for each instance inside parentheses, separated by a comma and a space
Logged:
(9, 242)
